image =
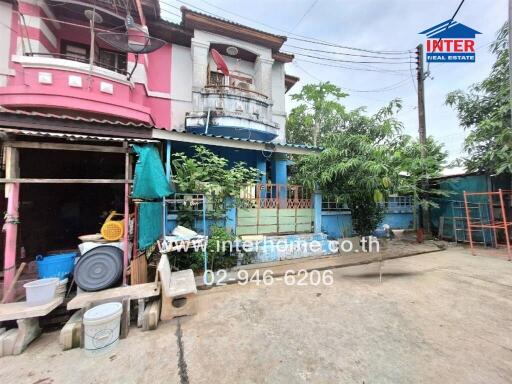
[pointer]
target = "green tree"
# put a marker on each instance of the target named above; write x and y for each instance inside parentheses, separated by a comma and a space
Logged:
(365, 158)
(416, 172)
(485, 112)
(318, 113)
(209, 174)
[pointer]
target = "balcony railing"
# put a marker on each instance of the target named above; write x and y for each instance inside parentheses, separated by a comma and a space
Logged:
(122, 71)
(282, 196)
(393, 203)
(230, 88)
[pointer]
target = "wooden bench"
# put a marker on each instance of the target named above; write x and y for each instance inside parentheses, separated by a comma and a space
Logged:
(178, 291)
(14, 341)
(71, 335)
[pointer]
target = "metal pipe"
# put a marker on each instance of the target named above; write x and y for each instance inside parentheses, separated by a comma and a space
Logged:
(505, 224)
(205, 250)
(11, 231)
(126, 216)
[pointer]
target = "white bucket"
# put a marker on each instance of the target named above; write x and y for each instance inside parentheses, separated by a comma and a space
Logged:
(40, 291)
(101, 328)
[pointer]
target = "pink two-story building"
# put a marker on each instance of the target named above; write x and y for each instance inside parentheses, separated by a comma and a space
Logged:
(81, 80)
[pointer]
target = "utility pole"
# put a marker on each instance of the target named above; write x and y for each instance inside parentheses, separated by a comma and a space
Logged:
(422, 129)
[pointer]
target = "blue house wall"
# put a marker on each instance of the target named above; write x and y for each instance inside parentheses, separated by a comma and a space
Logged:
(337, 224)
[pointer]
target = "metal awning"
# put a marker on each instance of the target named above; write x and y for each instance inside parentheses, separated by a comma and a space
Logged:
(231, 142)
(73, 136)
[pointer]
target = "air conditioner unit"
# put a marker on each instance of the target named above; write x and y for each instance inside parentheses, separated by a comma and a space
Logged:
(243, 85)
(239, 107)
(219, 104)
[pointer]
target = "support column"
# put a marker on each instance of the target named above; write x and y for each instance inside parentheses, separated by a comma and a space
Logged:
(230, 224)
(263, 79)
(199, 51)
(280, 176)
(12, 193)
(317, 206)
(261, 164)
(279, 169)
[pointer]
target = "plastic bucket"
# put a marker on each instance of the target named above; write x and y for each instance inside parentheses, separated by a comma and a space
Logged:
(101, 328)
(40, 291)
(56, 265)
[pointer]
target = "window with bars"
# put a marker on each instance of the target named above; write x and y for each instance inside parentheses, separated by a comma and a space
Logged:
(216, 79)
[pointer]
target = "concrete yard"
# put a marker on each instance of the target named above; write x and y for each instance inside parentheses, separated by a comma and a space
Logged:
(443, 317)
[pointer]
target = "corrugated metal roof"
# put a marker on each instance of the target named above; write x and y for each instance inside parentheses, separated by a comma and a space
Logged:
(117, 123)
(287, 145)
(74, 136)
(92, 120)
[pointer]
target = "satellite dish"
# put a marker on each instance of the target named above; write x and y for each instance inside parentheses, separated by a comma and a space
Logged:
(131, 41)
(219, 61)
(92, 15)
(135, 40)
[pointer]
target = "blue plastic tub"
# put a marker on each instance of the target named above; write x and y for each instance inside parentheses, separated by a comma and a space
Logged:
(56, 265)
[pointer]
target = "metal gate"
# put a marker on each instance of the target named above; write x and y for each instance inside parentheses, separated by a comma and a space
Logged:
(274, 209)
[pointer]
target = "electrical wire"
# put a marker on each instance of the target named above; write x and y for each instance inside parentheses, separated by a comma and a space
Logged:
(304, 15)
(298, 37)
(447, 25)
(349, 54)
(389, 71)
(170, 12)
(350, 61)
(412, 78)
(387, 88)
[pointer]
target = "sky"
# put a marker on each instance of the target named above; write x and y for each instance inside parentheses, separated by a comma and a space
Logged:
(387, 25)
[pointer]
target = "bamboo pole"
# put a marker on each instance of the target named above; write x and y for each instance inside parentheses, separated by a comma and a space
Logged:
(13, 283)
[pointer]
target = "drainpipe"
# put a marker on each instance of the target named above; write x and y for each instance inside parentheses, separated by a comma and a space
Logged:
(207, 122)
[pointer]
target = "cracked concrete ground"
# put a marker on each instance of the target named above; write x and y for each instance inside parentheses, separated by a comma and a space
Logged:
(443, 317)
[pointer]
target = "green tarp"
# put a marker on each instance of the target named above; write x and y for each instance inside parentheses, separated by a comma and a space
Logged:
(150, 224)
(149, 180)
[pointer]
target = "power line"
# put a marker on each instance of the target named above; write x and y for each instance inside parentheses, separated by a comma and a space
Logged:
(321, 42)
(395, 72)
(348, 54)
(412, 79)
(304, 15)
(447, 26)
(311, 40)
(350, 61)
(170, 12)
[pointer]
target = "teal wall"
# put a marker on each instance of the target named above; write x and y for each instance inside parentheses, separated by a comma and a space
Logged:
(452, 205)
